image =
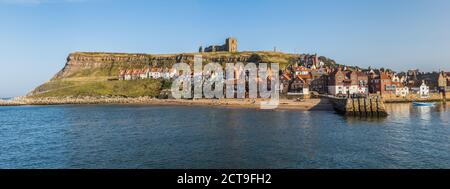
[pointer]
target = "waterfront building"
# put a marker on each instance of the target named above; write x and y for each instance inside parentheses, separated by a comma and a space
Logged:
(448, 80)
(299, 86)
(363, 81)
(381, 82)
(285, 82)
(402, 91)
(442, 81)
(424, 90)
(320, 84)
(434, 80)
(345, 83)
(336, 83)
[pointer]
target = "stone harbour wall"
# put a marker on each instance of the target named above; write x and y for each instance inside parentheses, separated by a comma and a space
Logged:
(392, 98)
(368, 106)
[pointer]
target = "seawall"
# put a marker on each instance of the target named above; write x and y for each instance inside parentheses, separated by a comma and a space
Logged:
(433, 97)
(372, 106)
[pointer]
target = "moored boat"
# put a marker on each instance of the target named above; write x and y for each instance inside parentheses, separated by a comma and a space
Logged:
(423, 103)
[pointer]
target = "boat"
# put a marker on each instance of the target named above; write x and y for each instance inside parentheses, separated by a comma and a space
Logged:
(423, 103)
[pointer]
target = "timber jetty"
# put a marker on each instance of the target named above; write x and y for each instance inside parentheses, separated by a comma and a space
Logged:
(370, 106)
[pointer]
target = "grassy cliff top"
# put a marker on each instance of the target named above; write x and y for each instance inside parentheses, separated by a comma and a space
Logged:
(242, 53)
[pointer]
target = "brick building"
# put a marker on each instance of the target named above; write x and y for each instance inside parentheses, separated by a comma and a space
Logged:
(347, 83)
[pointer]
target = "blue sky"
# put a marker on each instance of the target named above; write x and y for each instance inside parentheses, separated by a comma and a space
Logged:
(37, 35)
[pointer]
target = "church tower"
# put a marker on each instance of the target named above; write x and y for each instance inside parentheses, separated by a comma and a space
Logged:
(231, 44)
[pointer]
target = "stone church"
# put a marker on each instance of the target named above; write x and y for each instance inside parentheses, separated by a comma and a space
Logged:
(229, 46)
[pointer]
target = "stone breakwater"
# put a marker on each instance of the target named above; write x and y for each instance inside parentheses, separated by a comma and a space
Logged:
(372, 106)
(308, 104)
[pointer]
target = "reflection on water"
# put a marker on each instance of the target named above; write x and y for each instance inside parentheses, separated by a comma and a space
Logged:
(429, 114)
(113, 136)
(424, 112)
(405, 111)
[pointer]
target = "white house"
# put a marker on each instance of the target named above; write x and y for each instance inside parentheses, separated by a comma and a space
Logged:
(299, 86)
(396, 78)
(122, 74)
(343, 83)
(128, 75)
(165, 74)
(362, 89)
(155, 73)
(172, 73)
(402, 91)
(168, 73)
(345, 89)
(424, 91)
(144, 74)
(301, 71)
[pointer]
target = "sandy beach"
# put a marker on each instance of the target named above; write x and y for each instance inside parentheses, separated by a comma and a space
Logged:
(285, 104)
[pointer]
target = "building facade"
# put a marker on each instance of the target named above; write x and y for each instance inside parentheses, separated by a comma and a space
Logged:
(424, 90)
(347, 83)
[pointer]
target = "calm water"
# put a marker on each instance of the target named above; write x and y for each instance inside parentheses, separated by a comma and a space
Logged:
(113, 136)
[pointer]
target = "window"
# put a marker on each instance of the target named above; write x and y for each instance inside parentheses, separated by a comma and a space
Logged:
(390, 87)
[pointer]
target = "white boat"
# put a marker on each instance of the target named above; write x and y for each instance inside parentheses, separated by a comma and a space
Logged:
(423, 103)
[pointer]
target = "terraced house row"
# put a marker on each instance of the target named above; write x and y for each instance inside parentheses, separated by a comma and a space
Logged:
(344, 81)
(310, 75)
(147, 73)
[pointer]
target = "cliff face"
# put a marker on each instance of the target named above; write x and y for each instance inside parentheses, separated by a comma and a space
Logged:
(82, 64)
(85, 64)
